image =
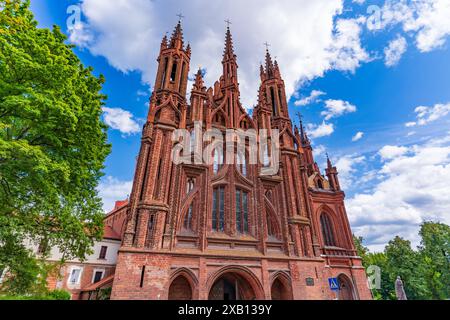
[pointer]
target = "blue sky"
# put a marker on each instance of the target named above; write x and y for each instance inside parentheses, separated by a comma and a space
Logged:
(374, 92)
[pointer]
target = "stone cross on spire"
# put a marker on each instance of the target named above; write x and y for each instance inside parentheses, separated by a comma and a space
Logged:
(180, 17)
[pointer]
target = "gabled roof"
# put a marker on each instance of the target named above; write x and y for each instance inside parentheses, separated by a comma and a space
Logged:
(109, 233)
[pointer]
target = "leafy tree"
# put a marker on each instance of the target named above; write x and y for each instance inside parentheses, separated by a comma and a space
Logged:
(52, 144)
(403, 261)
(377, 260)
(435, 258)
(361, 249)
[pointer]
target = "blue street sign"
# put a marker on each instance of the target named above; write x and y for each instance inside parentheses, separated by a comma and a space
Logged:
(333, 283)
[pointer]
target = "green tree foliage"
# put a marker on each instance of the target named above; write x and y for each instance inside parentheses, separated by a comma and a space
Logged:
(425, 272)
(435, 258)
(403, 261)
(52, 144)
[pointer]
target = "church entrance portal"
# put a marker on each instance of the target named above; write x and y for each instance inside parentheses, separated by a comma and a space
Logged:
(231, 286)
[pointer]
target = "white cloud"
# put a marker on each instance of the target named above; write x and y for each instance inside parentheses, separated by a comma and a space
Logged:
(336, 108)
(80, 35)
(358, 136)
(425, 115)
(313, 97)
(346, 167)
(307, 37)
(111, 189)
(427, 19)
(322, 130)
(121, 120)
(391, 152)
(394, 51)
(413, 189)
(318, 150)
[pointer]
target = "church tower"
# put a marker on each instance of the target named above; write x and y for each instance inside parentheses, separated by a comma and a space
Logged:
(226, 229)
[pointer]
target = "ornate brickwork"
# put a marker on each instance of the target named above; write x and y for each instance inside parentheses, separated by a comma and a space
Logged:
(224, 231)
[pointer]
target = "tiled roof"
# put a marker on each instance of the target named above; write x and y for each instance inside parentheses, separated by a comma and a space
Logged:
(98, 285)
(109, 233)
(120, 204)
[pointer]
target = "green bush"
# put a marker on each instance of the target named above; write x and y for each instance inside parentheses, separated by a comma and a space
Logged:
(51, 295)
(60, 295)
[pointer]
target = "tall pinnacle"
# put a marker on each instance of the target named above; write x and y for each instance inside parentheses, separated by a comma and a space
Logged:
(269, 63)
(228, 53)
(198, 84)
(303, 135)
(176, 40)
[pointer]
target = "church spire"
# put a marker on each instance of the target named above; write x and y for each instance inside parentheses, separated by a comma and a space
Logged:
(304, 137)
(228, 53)
(329, 164)
(269, 63)
(229, 59)
(176, 40)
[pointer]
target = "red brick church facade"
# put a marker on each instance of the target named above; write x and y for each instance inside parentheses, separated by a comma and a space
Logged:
(225, 231)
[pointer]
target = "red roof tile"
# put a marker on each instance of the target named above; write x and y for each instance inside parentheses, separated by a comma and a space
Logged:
(120, 203)
(109, 233)
(97, 285)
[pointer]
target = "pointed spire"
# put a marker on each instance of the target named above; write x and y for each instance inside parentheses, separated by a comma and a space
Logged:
(228, 52)
(188, 49)
(198, 84)
(303, 135)
(329, 164)
(269, 63)
(164, 42)
(176, 40)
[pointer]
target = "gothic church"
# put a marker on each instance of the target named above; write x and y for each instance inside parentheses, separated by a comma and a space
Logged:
(226, 232)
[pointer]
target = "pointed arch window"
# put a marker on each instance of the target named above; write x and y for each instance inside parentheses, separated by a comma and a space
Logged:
(270, 227)
(174, 72)
(273, 100)
(218, 209)
(166, 62)
(266, 158)
(190, 185)
(242, 163)
(217, 159)
(327, 230)
(241, 211)
(188, 218)
(192, 141)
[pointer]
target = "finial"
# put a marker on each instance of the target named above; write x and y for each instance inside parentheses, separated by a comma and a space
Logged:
(180, 17)
(267, 45)
(228, 22)
(300, 117)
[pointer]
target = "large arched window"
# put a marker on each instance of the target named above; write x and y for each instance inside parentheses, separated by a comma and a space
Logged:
(241, 163)
(218, 209)
(218, 160)
(241, 211)
(188, 218)
(190, 185)
(327, 230)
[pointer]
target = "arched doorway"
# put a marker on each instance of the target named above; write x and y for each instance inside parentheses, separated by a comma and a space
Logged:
(345, 288)
(180, 289)
(280, 289)
(231, 286)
